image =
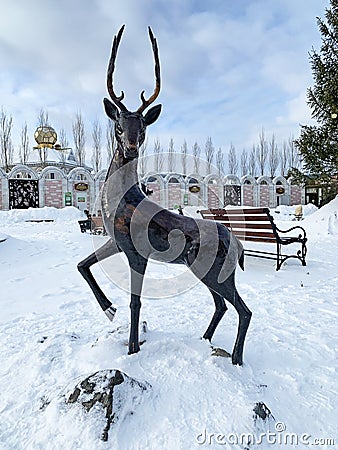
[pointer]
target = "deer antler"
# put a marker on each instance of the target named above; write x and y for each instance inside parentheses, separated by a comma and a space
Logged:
(111, 66)
(152, 98)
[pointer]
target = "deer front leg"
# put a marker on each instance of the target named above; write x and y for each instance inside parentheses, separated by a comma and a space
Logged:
(137, 270)
(108, 249)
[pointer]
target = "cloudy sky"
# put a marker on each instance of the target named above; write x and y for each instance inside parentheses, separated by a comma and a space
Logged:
(228, 67)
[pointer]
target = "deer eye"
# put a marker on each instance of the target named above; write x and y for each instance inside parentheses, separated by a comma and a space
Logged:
(118, 129)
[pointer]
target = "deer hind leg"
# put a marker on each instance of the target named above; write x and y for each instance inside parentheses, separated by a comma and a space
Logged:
(138, 267)
(218, 314)
(108, 249)
(244, 316)
(227, 290)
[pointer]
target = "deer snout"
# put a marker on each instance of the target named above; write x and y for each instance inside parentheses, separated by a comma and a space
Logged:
(131, 151)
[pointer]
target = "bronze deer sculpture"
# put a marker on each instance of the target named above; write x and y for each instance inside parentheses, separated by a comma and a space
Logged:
(143, 230)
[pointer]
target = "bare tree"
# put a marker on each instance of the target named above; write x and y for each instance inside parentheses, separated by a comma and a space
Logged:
(284, 159)
(171, 151)
(294, 159)
(158, 156)
(209, 150)
(43, 118)
(110, 140)
(220, 162)
(244, 162)
(64, 144)
(252, 164)
(184, 152)
(63, 140)
(24, 149)
(79, 139)
(273, 156)
(97, 154)
(43, 121)
(232, 160)
(262, 152)
(196, 152)
(6, 145)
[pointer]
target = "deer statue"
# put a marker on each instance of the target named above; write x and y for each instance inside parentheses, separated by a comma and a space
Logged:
(143, 230)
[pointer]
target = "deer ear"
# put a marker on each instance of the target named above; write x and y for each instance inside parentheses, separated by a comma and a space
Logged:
(152, 114)
(111, 110)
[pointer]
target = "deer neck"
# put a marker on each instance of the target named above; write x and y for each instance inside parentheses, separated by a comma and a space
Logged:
(121, 177)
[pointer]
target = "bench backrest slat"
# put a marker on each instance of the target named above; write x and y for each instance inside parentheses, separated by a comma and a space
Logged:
(245, 225)
(235, 211)
(251, 224)
(270, 240)
(238, 218)
(254, 234)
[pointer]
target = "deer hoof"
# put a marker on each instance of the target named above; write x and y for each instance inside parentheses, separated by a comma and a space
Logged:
(237, 360)
(133, 348)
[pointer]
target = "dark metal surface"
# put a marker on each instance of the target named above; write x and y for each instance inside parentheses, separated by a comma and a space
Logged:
(143, 230)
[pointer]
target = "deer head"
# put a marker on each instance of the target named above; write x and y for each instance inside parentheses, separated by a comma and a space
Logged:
(130, 126)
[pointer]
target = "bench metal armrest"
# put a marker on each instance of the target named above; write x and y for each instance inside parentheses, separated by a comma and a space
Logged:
(301, 236)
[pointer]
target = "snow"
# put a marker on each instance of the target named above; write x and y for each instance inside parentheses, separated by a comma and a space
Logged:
(52, 332)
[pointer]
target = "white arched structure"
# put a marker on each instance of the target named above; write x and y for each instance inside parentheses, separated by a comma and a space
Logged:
(22, 169)
(55, 186)
(249, 189)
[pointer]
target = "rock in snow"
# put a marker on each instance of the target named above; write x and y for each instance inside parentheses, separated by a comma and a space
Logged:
(109, 391)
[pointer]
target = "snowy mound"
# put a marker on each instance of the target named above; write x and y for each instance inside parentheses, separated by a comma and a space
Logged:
(17, 250)
(66, 214)
(324, 221)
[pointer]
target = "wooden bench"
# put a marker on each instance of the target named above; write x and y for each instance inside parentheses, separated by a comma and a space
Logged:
(93, 224)
(257, 225)
(85, 225)
(97, 225)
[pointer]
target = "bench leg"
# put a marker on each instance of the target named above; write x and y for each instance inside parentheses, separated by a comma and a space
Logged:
(279, 260)
(304, 251)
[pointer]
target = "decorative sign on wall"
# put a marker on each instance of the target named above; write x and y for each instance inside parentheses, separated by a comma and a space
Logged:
(194, 189)
(280, 190)
(23, 194)
(232, 195)
(81, 186)
(68, 199)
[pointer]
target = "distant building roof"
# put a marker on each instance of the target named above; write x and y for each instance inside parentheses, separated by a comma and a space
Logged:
(52, 156)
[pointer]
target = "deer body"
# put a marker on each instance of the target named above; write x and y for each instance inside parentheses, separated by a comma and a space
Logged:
(143, 230)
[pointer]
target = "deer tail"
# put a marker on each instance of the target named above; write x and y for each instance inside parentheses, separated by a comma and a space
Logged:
(241, 261)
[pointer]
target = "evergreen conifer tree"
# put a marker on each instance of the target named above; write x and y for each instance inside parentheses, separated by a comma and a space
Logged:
(318, 144)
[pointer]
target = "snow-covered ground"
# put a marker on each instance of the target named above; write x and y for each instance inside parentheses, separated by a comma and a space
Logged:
(52, 331)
